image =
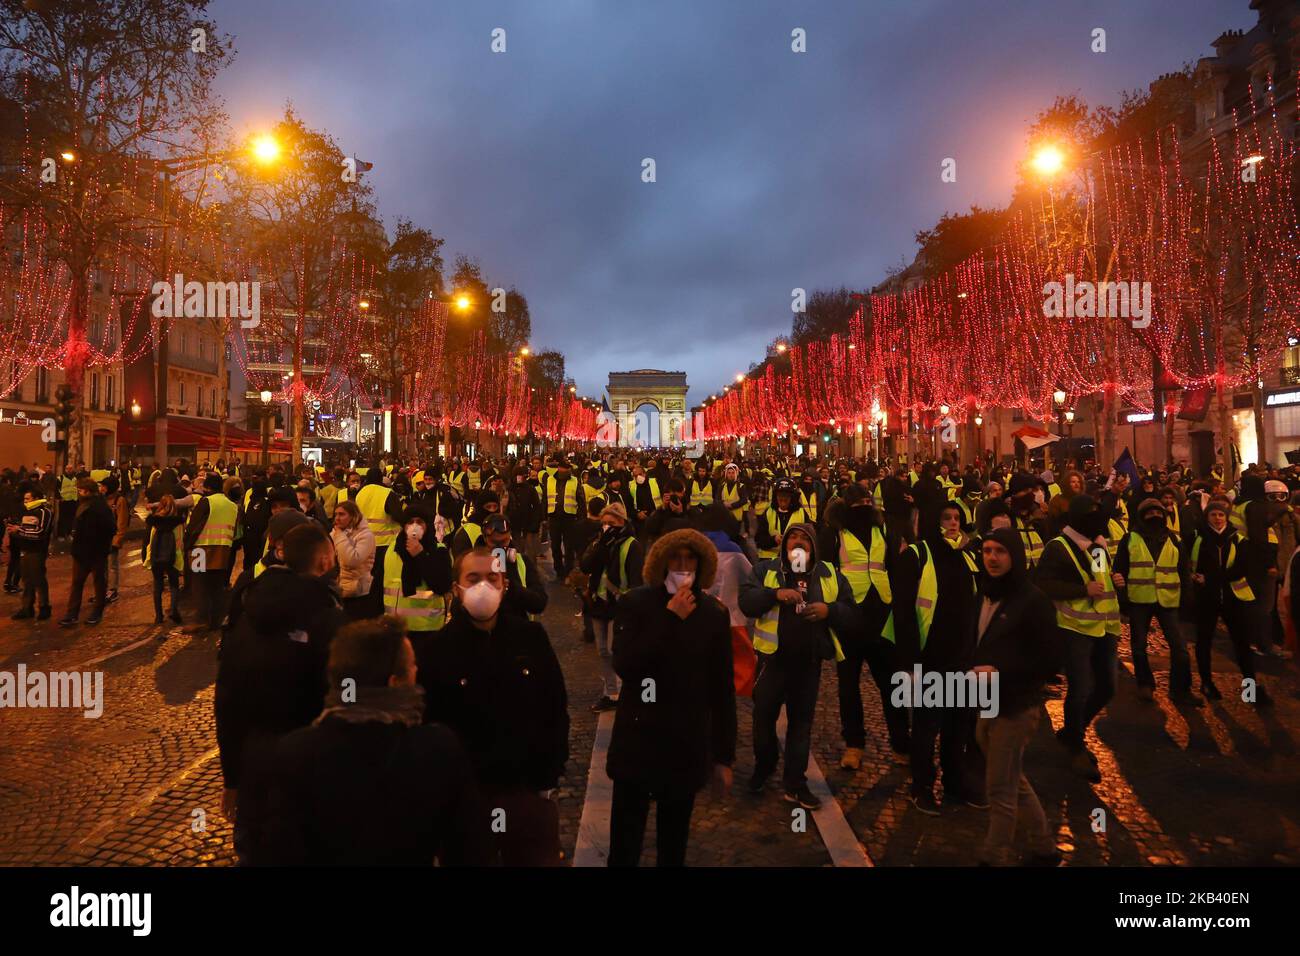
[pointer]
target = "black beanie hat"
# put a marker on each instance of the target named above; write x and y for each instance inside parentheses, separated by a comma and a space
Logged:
(1010, 539)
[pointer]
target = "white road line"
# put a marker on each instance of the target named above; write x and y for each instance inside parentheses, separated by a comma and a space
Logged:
(121, 650)
(841, 842)
(593, 830)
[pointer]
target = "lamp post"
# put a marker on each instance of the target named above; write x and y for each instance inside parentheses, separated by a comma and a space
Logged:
(1069, 423)
(979, 437)
(266, 397)
(478, 432)
(1058, 401)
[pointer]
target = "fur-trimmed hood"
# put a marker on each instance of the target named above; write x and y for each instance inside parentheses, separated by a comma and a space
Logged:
(656, 561)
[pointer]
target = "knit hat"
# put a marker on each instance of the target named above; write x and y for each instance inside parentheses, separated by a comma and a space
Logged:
(1150, 504)
(284, 522)
(1021, 483)
(617, 510)
(1216, 505)
(1010, 539)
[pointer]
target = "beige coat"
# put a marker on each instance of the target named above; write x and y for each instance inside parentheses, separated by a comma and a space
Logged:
(356, 552)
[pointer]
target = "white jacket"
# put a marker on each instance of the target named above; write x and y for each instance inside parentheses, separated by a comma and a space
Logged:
(356, 551)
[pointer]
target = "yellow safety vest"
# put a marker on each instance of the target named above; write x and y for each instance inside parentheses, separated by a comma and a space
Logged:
(731, 498)
(606, 584)
(967, 512)
(219, 530)
(1053, 490)
(1032, 540)
(67, 488)
(1092, 618)
(766, 638)
(1149, 580)
(178, 562)
(865, 569)
(371, 500)
(927, 593)
(473, 531)
(99, 474)
(570, 496)
(807, 505)
(1114, 534)
(589, 492)
(1241, 588)
(420, 613)
(701, 495)
(773, 528)
(1173, 521)
(475, 479)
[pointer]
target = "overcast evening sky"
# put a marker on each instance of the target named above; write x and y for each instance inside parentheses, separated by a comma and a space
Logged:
(774, 169)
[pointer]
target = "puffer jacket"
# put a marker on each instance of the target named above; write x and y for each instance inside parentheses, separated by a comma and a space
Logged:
(356, 553)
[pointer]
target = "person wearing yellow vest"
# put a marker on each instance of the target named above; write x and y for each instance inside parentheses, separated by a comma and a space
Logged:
(1149, 559)
(933, 584)
(1076, 574)
(526, 591)
(779, 516)
(163, 555)
(470, 534)
(700, 493)
(382, 509)
(853, 539)
(564, 502)
(612, 563)
(67, 511)
(801, 604)
(215, 524)
(1220, 590)
(733, 493)
(417, 575)
(645, 494)
(972, 494)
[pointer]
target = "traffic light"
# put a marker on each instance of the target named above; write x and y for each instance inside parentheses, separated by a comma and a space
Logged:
(64, 408)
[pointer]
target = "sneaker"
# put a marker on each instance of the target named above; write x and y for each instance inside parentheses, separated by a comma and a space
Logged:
(1210, 691)
(43, 614)
(23, 614)
(852, 759)
(804, 797)
(10, 589)
(758, 781)
(1082, 765)
(110, 597)
(926, 804)
(1146, 693)
(1044, 859)
(68, 622)
(94, 619)
(604, 704)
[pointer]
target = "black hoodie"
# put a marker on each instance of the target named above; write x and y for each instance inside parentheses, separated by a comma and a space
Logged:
(271, 664)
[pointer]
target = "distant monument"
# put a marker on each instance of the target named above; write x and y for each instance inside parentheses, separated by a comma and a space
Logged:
(649, 406)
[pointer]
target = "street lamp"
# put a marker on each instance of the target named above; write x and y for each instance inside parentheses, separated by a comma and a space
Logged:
(1048, 160)
(1058, 399)
(478, 433)
(266, 396)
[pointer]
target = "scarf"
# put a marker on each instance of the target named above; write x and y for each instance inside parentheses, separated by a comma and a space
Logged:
(382, 705)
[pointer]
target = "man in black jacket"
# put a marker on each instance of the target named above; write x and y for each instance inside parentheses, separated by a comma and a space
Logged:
(367, 783)
(676, 726)
(30, 536)
(271, 663)
(1013, 632)
(494, 679)
(93, 528)
(526, 592)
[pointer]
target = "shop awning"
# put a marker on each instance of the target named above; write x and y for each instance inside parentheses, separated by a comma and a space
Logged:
(203, 433)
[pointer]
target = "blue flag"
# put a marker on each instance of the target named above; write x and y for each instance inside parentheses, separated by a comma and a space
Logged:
(1125, 465)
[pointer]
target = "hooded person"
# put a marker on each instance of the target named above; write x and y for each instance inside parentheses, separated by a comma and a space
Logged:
(1252, 516)
(417, 574)
(1222, 590)
(969, 498)
(470, 533)
(1022, 499)
(933, 584)
(1076, 573)
(1149, 559)
(672, 641)
(1009, 646)
(802, 604)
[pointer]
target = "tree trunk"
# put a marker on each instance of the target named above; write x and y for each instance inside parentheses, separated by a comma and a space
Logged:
(1257, 399)
(75, 364)
(1225, 433)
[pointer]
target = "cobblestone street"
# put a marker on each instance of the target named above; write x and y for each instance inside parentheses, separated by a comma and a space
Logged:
(141, 785)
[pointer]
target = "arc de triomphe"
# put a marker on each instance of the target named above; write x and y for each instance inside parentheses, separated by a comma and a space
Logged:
(664, 391)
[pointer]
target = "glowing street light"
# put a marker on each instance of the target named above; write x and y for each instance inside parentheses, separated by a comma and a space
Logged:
(68, 156)
(266, 148)
(1048, 161)
(1058, 396)
(739, 378)
(135, 408)
(524, 351)
(463, 302)
(265, 395)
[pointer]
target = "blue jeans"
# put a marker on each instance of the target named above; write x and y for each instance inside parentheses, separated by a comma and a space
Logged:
(1091, 672)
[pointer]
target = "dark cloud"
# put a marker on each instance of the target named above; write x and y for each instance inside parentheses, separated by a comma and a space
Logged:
(775, 169)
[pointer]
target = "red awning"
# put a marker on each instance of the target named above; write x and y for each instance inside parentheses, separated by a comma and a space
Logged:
(203, 433)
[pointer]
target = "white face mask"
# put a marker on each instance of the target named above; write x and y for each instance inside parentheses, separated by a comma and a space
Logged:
(676, 580)
(481, 600)
(415, 531)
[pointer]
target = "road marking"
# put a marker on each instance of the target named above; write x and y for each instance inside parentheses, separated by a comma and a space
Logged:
(592, 848)
(121, 650)
(841, 842)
